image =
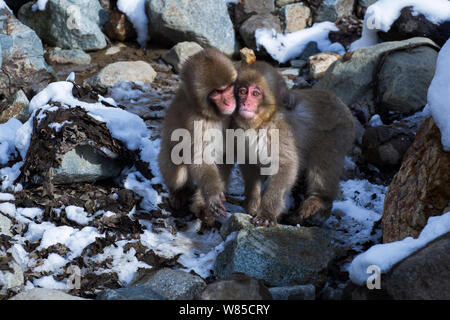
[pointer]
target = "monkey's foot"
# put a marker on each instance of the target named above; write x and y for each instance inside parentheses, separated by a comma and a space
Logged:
(206, 217)
(264, 221)
(178, 199)
(216, 206)
(315, 207)
(252, 207)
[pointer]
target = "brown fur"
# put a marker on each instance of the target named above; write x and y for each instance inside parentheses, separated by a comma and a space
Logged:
(201, 74)
(316, 132)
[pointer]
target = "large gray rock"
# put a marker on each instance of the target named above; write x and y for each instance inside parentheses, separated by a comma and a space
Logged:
(44, 294)
(424, 275)
(258, 6)
(281, 255)
(354, 78)
(331, 10)
(171, 284)
(203, 21)
(178, 55)
(23, 64)
(248, 28)
(404, 79)
(68, 24)
(75, 56)
(236, 287)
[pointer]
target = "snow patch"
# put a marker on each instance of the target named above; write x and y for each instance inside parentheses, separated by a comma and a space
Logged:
(135, 12)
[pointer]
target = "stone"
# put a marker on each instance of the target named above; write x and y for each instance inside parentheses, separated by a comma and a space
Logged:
(420, 189)
(178, 55)
(118, 27)
(305, 292)
(297, 16)
(353, 78)
(23, 64)
(123, 71)
(384, 146)
(130, 293)
(410, 25)
(85, 164)
(68, 24)
(247, 55)
(424, 275)
(11, 279)
(404, 79)
(171, 284)
(5, 225)
(281, 255)
(236, 287)
(319, 63)
(17, 108)
(44, 294)
(259, 6)
(61, 56)
(248, 28)
(206, 22)
(331, 10)
(298, 63)
(311, 49)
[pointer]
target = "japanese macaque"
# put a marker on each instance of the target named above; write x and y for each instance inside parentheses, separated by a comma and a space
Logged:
(205, 100)
(315, 131)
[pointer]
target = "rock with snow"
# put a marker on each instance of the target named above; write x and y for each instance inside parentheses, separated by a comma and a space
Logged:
(281, 255)
(22, 63)
(297, 16)
(171, 284)
(384, 146)
(5, 225)
(361, 7)
(44, 294)
(236, 287)
(331, 10)
(135, 12)
(17, 108)
(118, 27)
(404, 78)
(420, 188)
(68, 24)
(178, 55)
(206, 22)
(255, 22)
(62, 56)
(319, 64)
(424, 275)
(353, 78)
(123, 71)
(299, 292)
(11, 278)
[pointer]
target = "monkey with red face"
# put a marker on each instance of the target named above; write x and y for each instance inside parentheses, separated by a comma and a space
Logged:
(315, 132)
(206, 99)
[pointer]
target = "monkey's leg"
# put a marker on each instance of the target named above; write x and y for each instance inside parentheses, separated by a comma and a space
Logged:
(199, 208)
(177, 180)
(253, 182)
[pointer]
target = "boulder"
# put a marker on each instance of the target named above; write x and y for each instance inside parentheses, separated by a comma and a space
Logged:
(22, 64)
(61, 56)
(424, 275)
(68, 24)
(206, 22)
(248, 28)
(410, 25)
(16, 106)
(281, 255)
(178, 55)
(236, 287)
(319, 63)
(306, 292)
(384, 146)
(297, 16)
(355, 77)
(331, 10)
(258, 6)
(44, 294)
(420, 188)
(123, 71)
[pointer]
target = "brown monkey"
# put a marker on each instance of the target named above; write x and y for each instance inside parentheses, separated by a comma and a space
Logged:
(316, 130)
(206, 94)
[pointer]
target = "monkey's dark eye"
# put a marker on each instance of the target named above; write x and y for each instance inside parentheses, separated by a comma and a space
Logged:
(256, 93)
(243, 91)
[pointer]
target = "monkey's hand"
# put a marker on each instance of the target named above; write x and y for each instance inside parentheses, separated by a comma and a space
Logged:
(216, 206)
(264, 220)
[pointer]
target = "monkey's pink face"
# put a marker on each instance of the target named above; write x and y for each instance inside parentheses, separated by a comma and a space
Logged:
(224, 99)
(250, 98)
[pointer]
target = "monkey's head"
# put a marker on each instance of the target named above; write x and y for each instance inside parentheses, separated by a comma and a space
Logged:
(260, 90)
(208, 78)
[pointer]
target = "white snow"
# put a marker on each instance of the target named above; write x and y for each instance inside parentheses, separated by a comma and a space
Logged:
(53, 264)
(383, 13)
(50, 283)
(284, 47)
(7, 197)
(375, 121)
(39, 5)
(386, 255)
(30, 213)
(77, 214)
(7, 135)
(3, 5)
(439, 95)
(8, 209)
(135, 12)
